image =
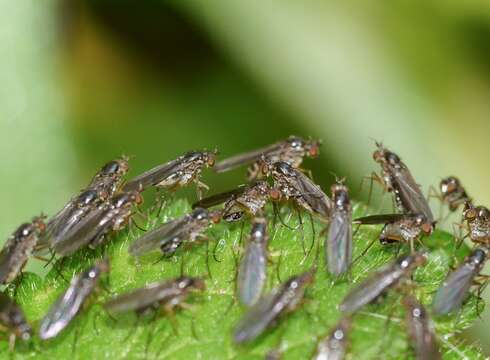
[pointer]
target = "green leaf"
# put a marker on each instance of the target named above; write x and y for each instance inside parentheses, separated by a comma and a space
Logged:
(205, 332)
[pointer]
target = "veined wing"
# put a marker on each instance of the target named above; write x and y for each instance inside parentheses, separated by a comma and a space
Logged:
(339, 243)
(246, 158)
(252, 273)
(370, 289)
(143, 298)
(65, 308)
(313, 195)
(220, 198)
(453, 290)
(380, 219)
(153, 176)
(154, 239)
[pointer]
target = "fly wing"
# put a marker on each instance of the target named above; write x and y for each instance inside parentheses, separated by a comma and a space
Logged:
(152, 176)
(370, 289)
(154, 239)
(411, 195)
(65, 308)
(313, 195)
(245, 158)
(252, 273)
(380, 219)
(339, 243)
(88, 229)
(219, 198)
(142, 298)
(453, 290)
(257, 319)
(6, 259)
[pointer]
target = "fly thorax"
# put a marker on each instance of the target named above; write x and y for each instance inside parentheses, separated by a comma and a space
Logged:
(171, 246)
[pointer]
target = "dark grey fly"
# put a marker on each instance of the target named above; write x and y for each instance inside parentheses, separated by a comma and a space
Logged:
(253, 266)
(334, 346)
(420, 330)
(338, 243)
(245, 200)
(168, 294)
(69, 304)
(171, 235)
(92, 229)
(453, 193)
(13, 321)
(102, 186)
(292, 184)
(397, 179)
(398, 227)
(265, 313)
(292, 151)
(378, 283)
(478, 220)
(176, 173)
(18, 249)
(456, 286)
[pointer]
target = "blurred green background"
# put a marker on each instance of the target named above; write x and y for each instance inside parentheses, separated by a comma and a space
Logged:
(85, 81)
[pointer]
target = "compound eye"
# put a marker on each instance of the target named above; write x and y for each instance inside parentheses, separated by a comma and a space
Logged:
(427, 228)
(470, 214)
(275, 195)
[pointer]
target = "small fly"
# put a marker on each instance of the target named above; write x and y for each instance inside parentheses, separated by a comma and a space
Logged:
(420, 330)
(176, 173)
(18, 249)
(292, 151)
(13, 321)
(245, 200)
(291, 183)
(478, 220)
(265, 313)
(102, 186)
(398, 227)
(453, 193)
(69, 304)
(338, 243)
(381, 281)
(334, 346)
(253, 267)
(171, 235)
(114, 215)
(456, 286)
(397, 178)
(168, 294)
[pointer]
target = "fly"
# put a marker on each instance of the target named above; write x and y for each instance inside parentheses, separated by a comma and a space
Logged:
(292, 151)
(334, 346)
(284, 299)
(338, 243)
(291, 183)
(114, 215)
(18, 249)
(176, 173)
(171, 235)
(453, 193)
(398, 227)
(168, 294)
(381, 281)
(102, 186)
(69, 304)
(253, 267)
(13, 321)
(245, 200)
(397, 178)
(420, 330)
(478, 220)
(455, 288)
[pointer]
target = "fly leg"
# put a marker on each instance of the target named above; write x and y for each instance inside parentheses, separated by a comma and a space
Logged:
(201, 188)
(374, 177)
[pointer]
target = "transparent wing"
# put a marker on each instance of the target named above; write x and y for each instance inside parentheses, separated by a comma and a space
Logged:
(142, 298)
(379, 219)
(245, 158)
(252, 273)
(65, 308)
(152, 176)
(88, 229)
(411, 195)
(313, 195)
(154, 239)
(220, 198)
(339, 243)
(453, 291)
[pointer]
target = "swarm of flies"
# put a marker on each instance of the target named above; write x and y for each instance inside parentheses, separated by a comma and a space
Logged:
(110, 204)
